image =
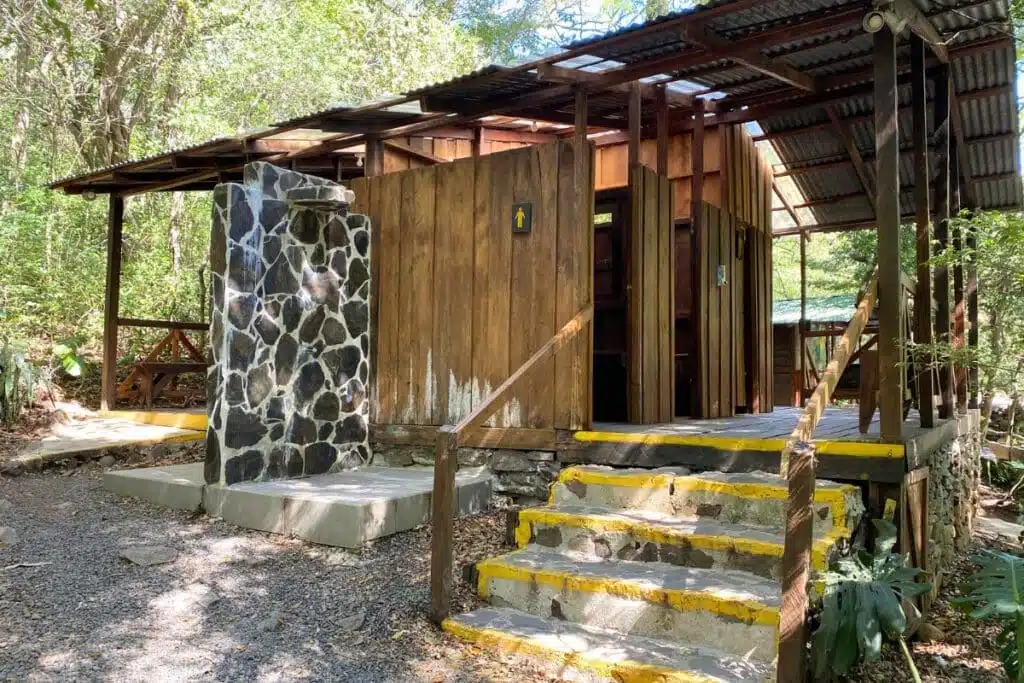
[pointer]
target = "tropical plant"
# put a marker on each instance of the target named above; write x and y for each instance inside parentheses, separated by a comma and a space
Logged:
(862, 603)
(66, 354)
(18, 379)
(997, 591)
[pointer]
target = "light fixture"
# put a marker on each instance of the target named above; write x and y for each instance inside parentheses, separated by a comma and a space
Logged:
(88, 195)
(873, 22)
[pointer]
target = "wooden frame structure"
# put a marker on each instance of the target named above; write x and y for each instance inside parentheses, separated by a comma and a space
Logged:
(798, 71)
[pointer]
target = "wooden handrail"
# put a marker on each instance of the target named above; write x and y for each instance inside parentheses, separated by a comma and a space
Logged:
(815, 408)
(162, 324)
(445, 464)
(800, 478)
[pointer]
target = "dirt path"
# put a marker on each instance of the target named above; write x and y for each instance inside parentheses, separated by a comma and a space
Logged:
(233, 605)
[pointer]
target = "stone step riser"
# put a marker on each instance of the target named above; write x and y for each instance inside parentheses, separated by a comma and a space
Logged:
(687, 496)
(668, 615)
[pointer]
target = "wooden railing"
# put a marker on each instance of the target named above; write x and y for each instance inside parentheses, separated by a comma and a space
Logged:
(445, 464)
(174, 343)
(797, 465)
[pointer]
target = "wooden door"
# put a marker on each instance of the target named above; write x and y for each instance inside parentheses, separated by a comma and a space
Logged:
(611, 216)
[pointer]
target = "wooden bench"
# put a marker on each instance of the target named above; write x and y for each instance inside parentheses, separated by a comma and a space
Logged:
(155, 375)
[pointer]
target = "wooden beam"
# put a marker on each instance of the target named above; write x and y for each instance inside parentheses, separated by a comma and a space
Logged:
(373, 163)
(649, 91)
(416, 154)
(887, 211)
(796, 565)
(843, 132)
(959, 305)
(635, 112)
(111, 302)
(918, 23)
(698, 33)
(971, 243)
(923, 292)
(963, 160)
(581, 410)
(661, 111)
(943, 92)
(785, 203)
(478, 141)
(697, 229)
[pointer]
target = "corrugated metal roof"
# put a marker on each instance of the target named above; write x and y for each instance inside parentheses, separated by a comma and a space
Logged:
(837, 308)
(831, 46)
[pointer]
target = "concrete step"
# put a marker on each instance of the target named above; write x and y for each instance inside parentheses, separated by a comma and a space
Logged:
(607, 654)
(738, 497)
(736, 611)
(640, 535)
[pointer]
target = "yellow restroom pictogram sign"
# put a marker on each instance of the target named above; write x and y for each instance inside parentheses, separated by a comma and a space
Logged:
(522, 217)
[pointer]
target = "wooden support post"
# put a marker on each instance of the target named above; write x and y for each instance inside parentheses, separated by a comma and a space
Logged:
(585, 213)
(373, 163)
(635, 113)
(890, 305)
(802, 327)
(442, 525)
(112, 302)
(796, 560)
(661, 104)
(941, 275)
(971, 240)
(697, 228)
(923, 293)
(477, 144)
(959, 305)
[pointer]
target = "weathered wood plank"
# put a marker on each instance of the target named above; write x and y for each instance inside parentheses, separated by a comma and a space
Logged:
(389, 229)
(415, 372)
(454, 288)
(796, 562)
(492, 267)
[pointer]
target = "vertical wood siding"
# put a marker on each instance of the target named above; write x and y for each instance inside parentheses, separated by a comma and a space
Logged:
(460, 301)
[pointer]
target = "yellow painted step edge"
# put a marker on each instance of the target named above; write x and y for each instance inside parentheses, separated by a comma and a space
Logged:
(624, 671)
(833, 497)
(726, 443)
(747, 611)
(164, 418)
(654, 534)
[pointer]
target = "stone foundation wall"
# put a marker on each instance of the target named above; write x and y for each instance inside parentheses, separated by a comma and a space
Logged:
(954, 473)
(286, 394)
(523, 476)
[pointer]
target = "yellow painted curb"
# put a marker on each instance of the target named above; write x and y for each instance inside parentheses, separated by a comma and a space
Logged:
(164, 418)
(661, 535)
(728, 443)
(747, 611)
(639, 480)
(624, 671)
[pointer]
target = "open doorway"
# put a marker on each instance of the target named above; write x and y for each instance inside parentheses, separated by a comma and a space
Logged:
(611, 214)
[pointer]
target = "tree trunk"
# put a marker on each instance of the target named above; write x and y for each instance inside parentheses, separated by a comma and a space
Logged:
(986, 413)
(174, 231)
(1011, 419)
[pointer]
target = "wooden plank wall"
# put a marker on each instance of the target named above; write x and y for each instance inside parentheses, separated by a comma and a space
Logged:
(652, 299)
(460, 302)
(748, 197)
(716, 326)
(613, 167)
(442, 148)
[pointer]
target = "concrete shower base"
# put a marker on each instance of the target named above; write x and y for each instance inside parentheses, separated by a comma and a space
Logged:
(344, 509)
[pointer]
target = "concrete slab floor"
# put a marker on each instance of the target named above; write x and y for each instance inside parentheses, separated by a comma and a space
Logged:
(340, 509)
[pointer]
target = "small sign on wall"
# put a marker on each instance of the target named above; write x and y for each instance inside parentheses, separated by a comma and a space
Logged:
(522, 217)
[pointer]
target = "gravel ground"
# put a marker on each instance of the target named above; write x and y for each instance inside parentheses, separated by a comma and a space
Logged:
(233, 605)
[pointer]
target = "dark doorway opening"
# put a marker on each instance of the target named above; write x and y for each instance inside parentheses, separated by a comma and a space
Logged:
(611, 215)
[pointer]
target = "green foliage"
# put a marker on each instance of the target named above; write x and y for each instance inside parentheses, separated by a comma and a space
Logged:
(66, 354)
(18, 379)
(861, 604)
(996, 591)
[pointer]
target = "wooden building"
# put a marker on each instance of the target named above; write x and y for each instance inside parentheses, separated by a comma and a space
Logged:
(574, 254)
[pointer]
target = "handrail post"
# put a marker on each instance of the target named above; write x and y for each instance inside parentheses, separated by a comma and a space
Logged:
(796, 558)
(442, 522)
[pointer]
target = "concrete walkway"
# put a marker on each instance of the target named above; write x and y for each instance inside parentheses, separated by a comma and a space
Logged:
(89, 436)
(343, 509)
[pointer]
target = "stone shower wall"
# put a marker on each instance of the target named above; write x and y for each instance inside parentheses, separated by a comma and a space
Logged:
(286, 394)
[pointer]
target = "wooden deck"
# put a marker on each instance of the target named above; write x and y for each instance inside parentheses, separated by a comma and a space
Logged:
(755, 442)
(837, 424)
